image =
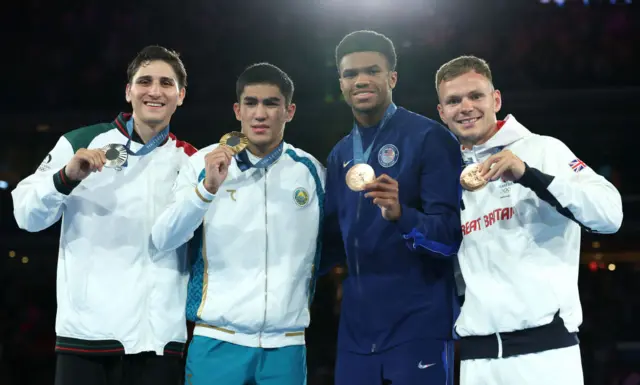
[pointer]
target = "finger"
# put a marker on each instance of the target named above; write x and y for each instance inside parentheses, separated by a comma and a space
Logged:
(386, 179)
(227, 150)
(380, 186)
(490, 171)
(103, 157)
(497, 170)
(381, 194)
(486, 165)
(97, 160)
(224, 149)
(385, 203)
(217, 158)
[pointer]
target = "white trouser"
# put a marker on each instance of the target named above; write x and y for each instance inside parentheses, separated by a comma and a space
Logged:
(552, 367)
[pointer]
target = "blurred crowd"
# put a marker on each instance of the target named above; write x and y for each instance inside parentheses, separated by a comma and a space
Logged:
(73, 59)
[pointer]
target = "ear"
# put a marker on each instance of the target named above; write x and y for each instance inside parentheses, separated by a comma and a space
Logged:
(236, 109)
(497, 100)
(441, 113)
(291, 110)
(181, 95)
(127, 93)
(393, 79)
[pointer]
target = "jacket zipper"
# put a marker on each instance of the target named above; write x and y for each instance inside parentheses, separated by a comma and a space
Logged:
(266, 253)
(145, 264)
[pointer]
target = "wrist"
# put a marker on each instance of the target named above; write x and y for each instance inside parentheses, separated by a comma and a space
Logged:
(62, 183)
(209, 187)
(204, 196)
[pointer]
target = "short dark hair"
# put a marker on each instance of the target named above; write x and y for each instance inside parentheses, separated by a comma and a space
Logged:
(265, 73)
(367, 41)
(155, 52)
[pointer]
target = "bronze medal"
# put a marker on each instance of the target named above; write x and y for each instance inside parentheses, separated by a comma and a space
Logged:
(470, 179)
(359, 175)
(236, 141)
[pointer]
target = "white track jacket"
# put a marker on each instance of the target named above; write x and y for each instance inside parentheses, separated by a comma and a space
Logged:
(255, 249)
(521, 248)
(116, 293)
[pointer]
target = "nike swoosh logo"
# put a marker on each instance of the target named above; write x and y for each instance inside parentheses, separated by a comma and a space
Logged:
(421, 366)
(346, 163)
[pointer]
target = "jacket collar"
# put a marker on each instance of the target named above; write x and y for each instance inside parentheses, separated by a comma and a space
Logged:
(510, 132)
(121, 124)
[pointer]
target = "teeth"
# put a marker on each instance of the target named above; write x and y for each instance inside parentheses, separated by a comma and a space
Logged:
(154, 104)
(469, 121)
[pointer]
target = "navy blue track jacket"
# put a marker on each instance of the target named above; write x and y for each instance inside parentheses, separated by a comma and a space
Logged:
(400, 285)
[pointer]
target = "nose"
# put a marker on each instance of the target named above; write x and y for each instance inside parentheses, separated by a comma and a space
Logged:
(466, 105)
(362, 80)
(154, 90)
(260, 112)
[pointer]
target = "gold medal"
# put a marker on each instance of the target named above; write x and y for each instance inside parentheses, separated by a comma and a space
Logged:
(470, 179)
(359, 175)
(236, 141)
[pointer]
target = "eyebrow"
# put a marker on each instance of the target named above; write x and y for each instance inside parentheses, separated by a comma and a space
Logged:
(373, 67)
(162, 78)
(470, 93)
(253, 99)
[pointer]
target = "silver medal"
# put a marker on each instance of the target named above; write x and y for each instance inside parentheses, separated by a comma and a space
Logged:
(116, 155)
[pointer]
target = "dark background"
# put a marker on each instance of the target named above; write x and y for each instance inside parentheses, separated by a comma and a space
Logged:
(569, 71)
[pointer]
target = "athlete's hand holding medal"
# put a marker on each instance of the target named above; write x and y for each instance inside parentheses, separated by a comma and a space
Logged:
(504, 165)
(383, 189)
(217, 161)
(84, 162)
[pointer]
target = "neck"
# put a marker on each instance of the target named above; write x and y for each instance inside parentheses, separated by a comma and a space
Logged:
(145, 131)
(262, 150)
(371, 118)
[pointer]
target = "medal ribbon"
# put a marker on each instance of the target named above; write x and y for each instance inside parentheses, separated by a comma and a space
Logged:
(150, 145)
(242, 159)
(359, 155)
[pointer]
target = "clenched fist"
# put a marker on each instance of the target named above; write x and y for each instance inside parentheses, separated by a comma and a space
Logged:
(216, 166)
(83, 163)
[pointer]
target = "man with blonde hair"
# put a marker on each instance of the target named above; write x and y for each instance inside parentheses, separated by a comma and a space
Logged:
(526, 199)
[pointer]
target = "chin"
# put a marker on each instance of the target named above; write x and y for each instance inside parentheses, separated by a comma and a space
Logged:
(152, 121)
(365, 108)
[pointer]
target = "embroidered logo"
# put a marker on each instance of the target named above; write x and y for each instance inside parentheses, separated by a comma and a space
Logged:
(301, 197)
(388, 155)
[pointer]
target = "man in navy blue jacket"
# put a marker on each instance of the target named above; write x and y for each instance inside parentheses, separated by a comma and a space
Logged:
(400, 231)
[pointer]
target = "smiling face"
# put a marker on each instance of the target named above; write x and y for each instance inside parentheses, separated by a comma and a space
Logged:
(263, 112)
(468, 106)
(366, 81)
(154, 94)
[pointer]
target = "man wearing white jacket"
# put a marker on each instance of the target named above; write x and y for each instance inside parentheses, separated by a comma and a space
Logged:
(120, 317)
(527, 199)
(253, 217)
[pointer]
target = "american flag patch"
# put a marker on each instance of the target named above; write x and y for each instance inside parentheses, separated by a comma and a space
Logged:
(577, 165)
